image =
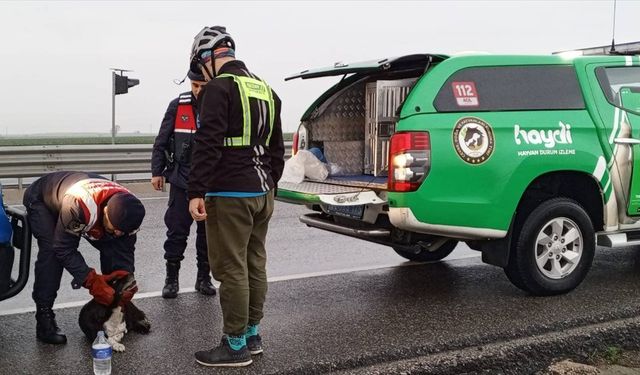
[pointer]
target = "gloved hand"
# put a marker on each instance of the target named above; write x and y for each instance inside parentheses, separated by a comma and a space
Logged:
(117, 275)
(127, 294)
(99, 288)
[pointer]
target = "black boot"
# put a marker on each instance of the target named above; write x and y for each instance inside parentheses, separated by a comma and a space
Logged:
(46, 327)
(171, 286)
(203, 281)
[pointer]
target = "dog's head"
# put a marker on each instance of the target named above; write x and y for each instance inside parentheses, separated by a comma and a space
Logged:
(125, 284)
(93, 315)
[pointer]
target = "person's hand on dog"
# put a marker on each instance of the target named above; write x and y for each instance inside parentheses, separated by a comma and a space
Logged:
(117, 275)
(99, 287)
(127, 294)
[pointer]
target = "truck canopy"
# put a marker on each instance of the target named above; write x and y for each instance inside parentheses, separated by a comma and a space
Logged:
(398, 62)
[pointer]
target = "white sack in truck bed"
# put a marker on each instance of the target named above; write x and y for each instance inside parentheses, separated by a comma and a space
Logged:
(304, 164)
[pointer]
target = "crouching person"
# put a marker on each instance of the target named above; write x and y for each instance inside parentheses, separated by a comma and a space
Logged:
(61, 208)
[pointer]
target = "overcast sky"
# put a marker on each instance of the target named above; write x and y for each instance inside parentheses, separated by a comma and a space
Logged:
(55, 56)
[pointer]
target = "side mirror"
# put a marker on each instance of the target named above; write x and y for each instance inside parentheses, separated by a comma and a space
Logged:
(630, 98)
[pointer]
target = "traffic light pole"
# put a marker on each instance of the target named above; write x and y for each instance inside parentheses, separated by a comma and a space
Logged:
(120, 84)
(113, 108)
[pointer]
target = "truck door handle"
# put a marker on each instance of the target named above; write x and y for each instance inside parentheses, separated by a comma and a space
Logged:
(627, 141)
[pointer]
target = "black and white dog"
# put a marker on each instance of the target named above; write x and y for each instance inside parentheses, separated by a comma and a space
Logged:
(114, 320)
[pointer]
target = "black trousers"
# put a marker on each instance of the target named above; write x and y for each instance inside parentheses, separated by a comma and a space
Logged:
(115, 253)
(178, 221)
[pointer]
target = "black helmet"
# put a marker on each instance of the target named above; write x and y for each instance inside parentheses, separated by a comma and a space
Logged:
(208, 39)
(195, 75)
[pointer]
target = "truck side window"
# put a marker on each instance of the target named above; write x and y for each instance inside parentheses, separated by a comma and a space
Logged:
(512, 88)
(621, 86)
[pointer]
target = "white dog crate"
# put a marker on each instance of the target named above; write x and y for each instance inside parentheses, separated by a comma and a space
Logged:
(383, 98)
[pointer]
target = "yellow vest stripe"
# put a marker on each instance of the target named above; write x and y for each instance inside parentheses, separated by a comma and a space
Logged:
(250, 88)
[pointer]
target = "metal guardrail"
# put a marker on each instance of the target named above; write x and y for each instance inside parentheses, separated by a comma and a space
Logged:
(35, 161)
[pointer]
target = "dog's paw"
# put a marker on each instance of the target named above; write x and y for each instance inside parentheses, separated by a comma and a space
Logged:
(118, 347)
(141, 326)
(145, 325)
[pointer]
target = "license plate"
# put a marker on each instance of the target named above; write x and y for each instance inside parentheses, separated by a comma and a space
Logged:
(354, 212)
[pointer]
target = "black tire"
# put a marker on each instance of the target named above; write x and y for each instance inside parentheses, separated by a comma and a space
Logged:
(523, 270)
(429, 256)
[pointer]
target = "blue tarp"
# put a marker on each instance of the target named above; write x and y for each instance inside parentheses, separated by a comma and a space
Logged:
(5, 225)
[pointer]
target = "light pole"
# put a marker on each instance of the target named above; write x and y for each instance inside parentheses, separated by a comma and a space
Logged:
(113, 107)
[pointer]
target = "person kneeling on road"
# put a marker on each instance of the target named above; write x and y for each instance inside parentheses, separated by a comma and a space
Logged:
(171, 158)
(62, 207)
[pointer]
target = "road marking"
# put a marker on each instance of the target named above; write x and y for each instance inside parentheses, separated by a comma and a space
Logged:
(66, 305)
(152, 198)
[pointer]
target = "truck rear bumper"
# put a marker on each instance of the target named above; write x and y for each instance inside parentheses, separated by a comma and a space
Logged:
(403, 218)
(317, 221)
(371, 233)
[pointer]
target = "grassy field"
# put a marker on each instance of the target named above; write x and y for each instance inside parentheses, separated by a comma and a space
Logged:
(33, 141)
(83, 140)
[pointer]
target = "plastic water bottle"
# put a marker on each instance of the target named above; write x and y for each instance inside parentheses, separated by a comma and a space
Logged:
(101, 353)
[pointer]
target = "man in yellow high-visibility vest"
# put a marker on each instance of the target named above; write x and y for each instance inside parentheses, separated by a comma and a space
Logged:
(238, 158)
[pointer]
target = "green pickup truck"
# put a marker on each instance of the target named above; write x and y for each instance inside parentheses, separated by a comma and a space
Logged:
(529, 159)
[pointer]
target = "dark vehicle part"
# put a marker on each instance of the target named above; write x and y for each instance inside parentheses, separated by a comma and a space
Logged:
(21, 240)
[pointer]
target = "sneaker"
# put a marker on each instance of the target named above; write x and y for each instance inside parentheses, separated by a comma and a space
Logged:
(254, 344)
(224, 356)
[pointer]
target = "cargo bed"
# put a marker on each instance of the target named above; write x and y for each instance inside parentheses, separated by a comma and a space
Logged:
(332, 185)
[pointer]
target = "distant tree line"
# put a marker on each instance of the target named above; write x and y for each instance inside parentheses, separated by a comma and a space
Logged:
(97, 140)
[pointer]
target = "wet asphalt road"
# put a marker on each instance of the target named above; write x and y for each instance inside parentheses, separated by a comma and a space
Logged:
(377, 309)
(326, 323)
(293, 250)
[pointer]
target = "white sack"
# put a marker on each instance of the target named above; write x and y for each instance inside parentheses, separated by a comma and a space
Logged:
(293, 170)
(304, 163)
(313, 167)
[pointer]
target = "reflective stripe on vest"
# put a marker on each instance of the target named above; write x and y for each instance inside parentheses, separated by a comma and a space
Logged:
(250, 88)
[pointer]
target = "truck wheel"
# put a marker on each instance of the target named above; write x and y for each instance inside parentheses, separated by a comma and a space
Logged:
(429, 256)
(554, 249)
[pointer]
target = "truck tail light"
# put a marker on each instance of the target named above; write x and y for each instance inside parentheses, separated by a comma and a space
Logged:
(294, 146)
(409, 160)
(299, 140)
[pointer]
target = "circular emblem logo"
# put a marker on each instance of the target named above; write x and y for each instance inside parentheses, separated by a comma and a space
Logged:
(473, 140)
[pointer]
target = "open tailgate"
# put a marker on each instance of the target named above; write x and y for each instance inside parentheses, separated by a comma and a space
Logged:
(348, 201)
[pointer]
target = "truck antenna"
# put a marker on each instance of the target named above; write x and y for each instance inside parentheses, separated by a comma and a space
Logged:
(613, 32)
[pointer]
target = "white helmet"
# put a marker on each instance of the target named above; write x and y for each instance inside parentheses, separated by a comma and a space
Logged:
(208, 39)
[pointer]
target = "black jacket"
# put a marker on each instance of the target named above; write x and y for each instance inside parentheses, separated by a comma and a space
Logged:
(243, 169)
(177, 173)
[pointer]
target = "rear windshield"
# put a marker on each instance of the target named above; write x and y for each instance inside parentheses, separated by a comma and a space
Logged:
(510, 88)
